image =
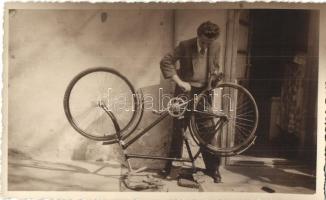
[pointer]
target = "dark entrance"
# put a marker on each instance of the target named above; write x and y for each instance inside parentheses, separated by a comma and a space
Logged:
(283, 79)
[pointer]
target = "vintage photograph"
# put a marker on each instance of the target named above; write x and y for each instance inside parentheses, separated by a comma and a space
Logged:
(164, 99)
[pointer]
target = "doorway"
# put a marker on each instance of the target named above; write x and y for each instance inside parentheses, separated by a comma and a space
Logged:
(278, 78)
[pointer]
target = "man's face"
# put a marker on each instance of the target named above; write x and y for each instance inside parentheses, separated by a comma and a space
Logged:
(204, 41)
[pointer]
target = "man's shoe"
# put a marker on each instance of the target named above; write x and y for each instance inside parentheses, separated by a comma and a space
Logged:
(217, 178)
(165, 174)
(215, 175)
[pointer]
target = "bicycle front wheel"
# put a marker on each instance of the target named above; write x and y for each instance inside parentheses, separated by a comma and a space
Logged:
(99, 99)
(226, 124)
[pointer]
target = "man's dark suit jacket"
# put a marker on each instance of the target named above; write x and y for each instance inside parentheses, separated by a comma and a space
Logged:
(187, 53)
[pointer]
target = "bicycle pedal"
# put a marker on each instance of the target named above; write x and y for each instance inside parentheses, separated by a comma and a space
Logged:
(181, 117)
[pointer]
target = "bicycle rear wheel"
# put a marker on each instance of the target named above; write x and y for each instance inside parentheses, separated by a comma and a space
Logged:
(95, 89)
(233, 111)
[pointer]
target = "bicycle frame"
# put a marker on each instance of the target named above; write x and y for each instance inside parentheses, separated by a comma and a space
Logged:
(124, 145)
(176, 107)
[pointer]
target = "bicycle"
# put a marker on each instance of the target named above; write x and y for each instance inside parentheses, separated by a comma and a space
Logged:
(90, 90)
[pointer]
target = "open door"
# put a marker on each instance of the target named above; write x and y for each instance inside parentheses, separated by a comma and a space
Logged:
(268, 52)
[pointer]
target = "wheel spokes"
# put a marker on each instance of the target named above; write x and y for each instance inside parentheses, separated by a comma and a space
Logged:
(236, 120)
(95, 88)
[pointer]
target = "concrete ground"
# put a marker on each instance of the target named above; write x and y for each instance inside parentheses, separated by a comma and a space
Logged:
(26, 174)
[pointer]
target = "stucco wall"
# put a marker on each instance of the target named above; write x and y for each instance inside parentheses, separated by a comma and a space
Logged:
(47, 48)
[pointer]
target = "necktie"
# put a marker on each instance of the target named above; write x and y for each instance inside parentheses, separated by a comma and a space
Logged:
(202, 51)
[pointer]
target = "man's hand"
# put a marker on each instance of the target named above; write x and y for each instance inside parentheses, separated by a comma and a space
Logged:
(218, 75)
(216, 78)
(185, 86)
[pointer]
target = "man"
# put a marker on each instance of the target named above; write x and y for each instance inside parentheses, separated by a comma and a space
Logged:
(198, 58)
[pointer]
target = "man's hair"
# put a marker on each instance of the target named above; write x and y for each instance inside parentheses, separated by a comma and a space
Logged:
(208, 29)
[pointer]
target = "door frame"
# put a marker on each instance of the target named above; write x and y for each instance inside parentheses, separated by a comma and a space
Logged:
(230, 57)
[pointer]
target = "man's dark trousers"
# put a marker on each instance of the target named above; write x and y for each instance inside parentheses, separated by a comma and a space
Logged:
(212, 162)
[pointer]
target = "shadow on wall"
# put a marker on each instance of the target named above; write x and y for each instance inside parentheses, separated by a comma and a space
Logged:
(157, 141)
(77, 147)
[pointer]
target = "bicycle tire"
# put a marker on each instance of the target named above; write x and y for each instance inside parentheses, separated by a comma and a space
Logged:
(227, 150)
(112, 137)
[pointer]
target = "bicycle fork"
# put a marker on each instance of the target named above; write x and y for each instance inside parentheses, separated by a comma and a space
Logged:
(119, 137)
